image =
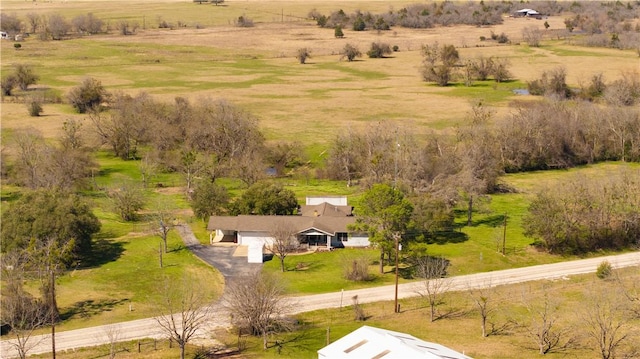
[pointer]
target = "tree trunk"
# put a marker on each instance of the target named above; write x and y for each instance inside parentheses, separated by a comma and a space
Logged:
(470, 210)
(381, 260)
(282, 264)
(182, 351)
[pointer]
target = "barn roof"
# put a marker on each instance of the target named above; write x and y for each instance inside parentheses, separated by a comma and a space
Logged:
(370, 342)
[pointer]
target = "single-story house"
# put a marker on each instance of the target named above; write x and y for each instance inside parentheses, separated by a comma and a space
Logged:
(320, 225)
(376, 343)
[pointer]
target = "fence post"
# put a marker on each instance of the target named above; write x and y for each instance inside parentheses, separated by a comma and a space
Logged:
(138, 346)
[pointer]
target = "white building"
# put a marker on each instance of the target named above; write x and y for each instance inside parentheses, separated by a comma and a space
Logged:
(375, 343)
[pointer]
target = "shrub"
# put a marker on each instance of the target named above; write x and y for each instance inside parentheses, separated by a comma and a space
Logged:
(395, 48)
(17, 46)
(34, 107)
(87, 96)
(350, 52)
(244, 21)
(359, 24)
(605, 270)
(378, 50)
(7, 84)
(338, 32)
(303, 54)
(502, 38)
(356, 269)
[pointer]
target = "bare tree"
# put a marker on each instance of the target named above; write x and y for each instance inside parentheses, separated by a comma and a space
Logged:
(434, 284)
(257, 303)
(111, 334)
(20, 311)
(163, 221)
(183, 311)
(483, 298)
(543, 328)
(31, 153)
(285, 240)
(532, 35)
(607, 326)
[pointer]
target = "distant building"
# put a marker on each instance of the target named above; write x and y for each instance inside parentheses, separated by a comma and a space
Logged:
(528, 13)
(375, 343)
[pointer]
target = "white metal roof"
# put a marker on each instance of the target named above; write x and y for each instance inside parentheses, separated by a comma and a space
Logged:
(375, 343)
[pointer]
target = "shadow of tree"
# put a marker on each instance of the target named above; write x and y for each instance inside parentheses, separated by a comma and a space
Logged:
(491, 221)
(103, 251)
(449, 237)
(88, 308)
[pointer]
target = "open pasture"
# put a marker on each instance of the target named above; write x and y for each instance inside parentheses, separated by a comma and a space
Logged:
(255, 67)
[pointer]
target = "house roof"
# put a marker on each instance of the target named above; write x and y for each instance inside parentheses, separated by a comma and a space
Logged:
(246, 223)
(326, 209)
(369, 342)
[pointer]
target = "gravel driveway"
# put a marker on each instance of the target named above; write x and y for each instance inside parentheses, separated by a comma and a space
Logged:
(220, 256)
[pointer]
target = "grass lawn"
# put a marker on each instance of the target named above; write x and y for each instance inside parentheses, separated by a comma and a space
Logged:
(127, 275)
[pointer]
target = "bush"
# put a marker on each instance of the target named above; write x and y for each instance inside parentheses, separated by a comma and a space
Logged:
(605, 270)
(357, 269)
(350, 52)
(87, 96)
(378, 50)
(34, 107)
(303, 54)
(359, 24)
(395, 48)
(244, 21)
(338, 32)
(17, 46)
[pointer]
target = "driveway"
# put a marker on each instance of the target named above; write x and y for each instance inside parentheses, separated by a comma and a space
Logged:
(219, 256)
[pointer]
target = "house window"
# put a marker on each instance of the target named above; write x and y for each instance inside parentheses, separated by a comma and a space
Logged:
(342, 237)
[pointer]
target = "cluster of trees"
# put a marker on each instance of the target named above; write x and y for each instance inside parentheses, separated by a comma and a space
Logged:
(417, 16)
(624, 91)
(22, 77)
(44, 233)
(609, 24)
(53, 26)
(38, 163)
(442, 64)
(587, 215)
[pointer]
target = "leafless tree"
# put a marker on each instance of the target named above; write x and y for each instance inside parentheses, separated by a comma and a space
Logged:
(257, 303)
(111, 334)
(434, 284)
(607, 326)
(285, 240)
(163, 217)
(148, 169)
(20, 311)
(57, 26)
(183, 311)
(31, 154)
(543, 325)
(484, 299)
(35, 22)
(532, 35)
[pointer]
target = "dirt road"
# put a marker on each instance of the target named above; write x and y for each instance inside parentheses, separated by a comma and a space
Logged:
(147, 328)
